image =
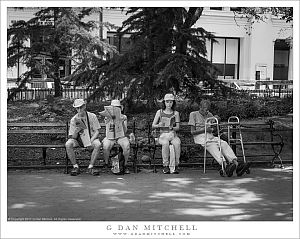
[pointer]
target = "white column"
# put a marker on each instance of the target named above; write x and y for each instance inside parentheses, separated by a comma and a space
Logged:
(290, 70)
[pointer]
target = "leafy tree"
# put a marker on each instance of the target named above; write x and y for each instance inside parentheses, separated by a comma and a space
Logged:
(167, 54)
(66, 37)
(256, 14)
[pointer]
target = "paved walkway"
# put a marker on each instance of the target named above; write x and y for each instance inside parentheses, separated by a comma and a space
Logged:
(263, 195)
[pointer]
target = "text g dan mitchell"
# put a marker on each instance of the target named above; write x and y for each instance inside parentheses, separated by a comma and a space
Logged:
(157, 227)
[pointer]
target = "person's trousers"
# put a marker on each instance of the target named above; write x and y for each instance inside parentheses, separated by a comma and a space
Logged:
(165, 139)
(108, 144)
(213, 148)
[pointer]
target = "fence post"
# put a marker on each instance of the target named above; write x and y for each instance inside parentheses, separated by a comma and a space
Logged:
(279, 92)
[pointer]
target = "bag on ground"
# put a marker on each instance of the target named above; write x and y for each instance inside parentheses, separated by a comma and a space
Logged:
(118, 163)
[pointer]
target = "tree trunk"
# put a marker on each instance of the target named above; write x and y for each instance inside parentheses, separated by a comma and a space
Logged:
(55, 57)
(57, 87)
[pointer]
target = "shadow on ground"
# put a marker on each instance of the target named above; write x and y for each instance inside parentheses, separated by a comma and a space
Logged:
(262, 195)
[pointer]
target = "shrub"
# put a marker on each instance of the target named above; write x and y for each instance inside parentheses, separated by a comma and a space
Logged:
(248, 108)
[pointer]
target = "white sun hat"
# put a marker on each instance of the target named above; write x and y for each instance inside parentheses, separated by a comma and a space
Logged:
(169, 97)
(78, 103)
(115, 103)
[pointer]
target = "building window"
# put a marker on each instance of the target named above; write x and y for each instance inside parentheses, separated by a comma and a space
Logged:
(64, 67)
(224, 55)
(216, 8)
(122, 43)
(236, 9)
(281, 60)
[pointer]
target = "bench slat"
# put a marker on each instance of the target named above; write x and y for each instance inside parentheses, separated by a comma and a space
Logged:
(36, 124)
(257, 143)
(36, 146)
(245, 143)
(36, 131)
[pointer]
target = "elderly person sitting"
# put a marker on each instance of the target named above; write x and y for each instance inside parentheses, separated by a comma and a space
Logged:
(88, 122)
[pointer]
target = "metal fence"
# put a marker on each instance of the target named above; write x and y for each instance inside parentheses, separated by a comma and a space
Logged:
(280, 93)
(38, 94)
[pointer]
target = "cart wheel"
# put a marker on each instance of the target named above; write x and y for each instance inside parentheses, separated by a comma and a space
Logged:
(248, 171)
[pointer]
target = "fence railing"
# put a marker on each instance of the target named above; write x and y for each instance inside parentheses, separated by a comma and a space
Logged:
(38, 94)
(281, 93)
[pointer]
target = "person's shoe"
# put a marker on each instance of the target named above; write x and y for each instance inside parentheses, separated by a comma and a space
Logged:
(242, 168)
(230, 169)
(166, 170)
(75, 172)
(105, 168)
(126, 171)
(176, 170)
(92, 171)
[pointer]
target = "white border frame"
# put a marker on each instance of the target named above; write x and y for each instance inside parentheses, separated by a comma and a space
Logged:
(206, 229)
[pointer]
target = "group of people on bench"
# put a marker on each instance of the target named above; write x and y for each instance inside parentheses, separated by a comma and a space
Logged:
(167, 121)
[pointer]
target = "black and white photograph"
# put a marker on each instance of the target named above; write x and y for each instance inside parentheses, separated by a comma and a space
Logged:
(149, 119)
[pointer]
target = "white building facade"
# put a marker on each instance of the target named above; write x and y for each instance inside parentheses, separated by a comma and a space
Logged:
(258, 55)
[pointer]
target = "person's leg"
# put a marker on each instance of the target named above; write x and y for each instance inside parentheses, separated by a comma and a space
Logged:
(125, 145)
(228, 152)
(70, 145)
(214, 150)
(107, 146)
(176, 143)
(241, 168)
(165, 150)
(96, 150)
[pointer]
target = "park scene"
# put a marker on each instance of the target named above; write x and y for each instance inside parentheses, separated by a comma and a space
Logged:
(153, 114)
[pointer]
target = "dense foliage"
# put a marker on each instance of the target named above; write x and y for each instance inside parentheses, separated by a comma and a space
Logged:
(167, 54)
(52, 35)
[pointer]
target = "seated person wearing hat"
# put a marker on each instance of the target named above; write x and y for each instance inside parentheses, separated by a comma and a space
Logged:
(115, 134)
(167, 121)
(83, 120)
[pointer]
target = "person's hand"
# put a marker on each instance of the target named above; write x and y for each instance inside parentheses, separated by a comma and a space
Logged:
(159, 125)
(209, 129)
(78, 130)
(78, 125)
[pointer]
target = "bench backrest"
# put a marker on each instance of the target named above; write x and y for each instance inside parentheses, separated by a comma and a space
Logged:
(36, 128)
(262, 127)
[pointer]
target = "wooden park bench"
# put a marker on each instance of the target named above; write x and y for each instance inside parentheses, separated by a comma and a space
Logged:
(148, 144)
(133, 146)
(46, 129)
(275, 141)
(49, 131)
